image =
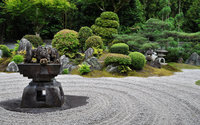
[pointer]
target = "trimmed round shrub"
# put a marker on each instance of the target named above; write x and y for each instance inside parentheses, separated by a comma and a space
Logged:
(66, 42)
(94, 41)
(18, 59)
(35, 40)
(110, 16)
(105, 33)
(117, 59)
(137, 60)
(106, 23)
(83, 34)
(121, 48)
(5, 50)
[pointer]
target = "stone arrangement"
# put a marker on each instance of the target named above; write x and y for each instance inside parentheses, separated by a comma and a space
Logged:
(43, 90)
(161, 55)
(154, 62)
(194, 59)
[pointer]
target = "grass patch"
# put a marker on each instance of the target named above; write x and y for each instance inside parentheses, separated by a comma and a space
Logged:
(171, 68)
(146, 72)
(4, 63)
(197, 82)
(96, 74)
(183, 66)
(151, 71)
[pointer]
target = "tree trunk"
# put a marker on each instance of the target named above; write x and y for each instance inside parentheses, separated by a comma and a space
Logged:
(2, 31)
(65, 20)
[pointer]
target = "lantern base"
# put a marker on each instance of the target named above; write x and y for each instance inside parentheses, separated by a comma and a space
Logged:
(43, 95)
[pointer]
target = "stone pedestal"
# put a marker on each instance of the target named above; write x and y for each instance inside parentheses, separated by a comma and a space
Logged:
(43, 90)
(42, 94)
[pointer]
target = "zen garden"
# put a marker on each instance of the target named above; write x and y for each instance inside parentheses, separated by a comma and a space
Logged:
(100, 62)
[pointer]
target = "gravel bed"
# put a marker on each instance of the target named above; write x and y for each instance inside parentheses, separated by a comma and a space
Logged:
(170, 100)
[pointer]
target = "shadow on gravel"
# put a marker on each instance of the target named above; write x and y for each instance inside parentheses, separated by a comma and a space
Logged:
(70, 101)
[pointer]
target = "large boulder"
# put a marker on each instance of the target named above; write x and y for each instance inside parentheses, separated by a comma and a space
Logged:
(66, 64)
(88, 53)
(64, 61)
(25, 45)
(12, 67)
(112, 69)
(93, 62)
(1, 53)
(194, 59)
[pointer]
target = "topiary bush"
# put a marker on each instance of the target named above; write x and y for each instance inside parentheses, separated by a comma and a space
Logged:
(117, 59)
(109, 16)
(121, 48)
(137, 60)
(83, 34)
(35, 40)
(84, 68)
(105, 33)
(66, 42)
(94, 41)
(18, 59)
(106, 25)
(6, 51)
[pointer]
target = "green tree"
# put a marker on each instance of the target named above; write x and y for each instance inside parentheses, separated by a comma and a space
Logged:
(131, 15)
(104, 5)
(2, 22)
(37, 11)
(193, 16)
(166, 9)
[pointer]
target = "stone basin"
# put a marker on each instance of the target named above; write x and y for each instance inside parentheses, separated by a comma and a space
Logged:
(39, 72)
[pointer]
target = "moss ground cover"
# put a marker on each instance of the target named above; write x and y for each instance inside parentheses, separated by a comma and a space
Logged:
(198, 82)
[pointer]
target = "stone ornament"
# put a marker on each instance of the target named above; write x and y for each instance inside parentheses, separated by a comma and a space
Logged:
(43, 90)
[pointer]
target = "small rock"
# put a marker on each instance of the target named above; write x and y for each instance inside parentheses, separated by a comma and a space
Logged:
(112, 68)
(180, 60)
(64, 61)
(12, 67)
(1, 53)
(194, 59)
(93, 62)
(88, 53)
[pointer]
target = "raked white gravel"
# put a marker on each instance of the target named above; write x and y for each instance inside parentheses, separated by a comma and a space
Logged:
(169, 100)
